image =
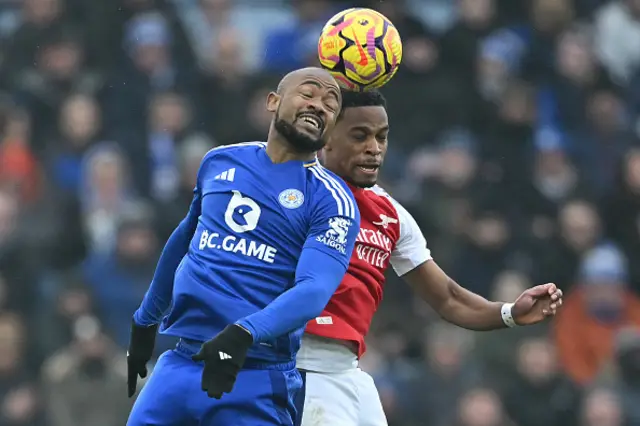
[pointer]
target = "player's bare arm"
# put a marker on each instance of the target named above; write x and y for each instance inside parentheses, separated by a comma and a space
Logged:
(466, 309)
(356, 151)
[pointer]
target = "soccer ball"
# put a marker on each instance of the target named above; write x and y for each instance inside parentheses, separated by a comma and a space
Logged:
(361, 49)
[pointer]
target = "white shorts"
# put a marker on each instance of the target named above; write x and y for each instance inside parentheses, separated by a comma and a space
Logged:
(338, 398)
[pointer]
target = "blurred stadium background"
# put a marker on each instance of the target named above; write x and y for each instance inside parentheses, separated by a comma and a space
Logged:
(515, 143)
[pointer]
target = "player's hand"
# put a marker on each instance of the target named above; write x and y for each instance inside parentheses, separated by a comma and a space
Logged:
(141, 344)
(223, 357)
(536, 304)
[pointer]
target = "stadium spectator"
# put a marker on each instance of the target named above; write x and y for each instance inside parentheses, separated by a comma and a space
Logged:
(20, 403)
(481, 407)
(293, 46)
(19, 170)
(153, 149)
(445, 373)
(494, 351)
(627, 360)
(79, 125)
(150, 67)
(539, 394)
(618, 38)
(594, 312)
(601, 407)
(580, 230)
(105, 192)
(621, 210)
(79, 378)
(118, 279)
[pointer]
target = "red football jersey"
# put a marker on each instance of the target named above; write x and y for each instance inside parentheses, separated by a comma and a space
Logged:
(388, 235)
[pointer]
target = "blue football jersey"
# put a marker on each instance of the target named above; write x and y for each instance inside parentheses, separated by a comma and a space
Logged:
(255, 218)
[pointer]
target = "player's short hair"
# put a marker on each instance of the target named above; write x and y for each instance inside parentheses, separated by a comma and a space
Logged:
(351, 99)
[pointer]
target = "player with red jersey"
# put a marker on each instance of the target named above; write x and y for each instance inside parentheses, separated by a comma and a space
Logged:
(337, 392)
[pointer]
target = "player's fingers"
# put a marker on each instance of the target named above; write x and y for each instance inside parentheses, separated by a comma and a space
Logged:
(557, 295)
(228, 386)
(204, 382)
(143, 372)
(539, 290)
(212, 392)
(132, 381)
(551, 288)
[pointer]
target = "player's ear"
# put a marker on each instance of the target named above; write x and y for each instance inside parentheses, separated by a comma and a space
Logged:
(273, 101)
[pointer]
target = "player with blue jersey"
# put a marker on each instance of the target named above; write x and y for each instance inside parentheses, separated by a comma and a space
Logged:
(263, 247)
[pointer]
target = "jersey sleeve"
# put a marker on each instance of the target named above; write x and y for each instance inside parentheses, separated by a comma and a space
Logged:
(411, 249)
(157, 299)
(335, 223)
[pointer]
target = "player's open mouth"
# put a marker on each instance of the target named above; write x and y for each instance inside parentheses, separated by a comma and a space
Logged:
(312, 120)
(370, 168)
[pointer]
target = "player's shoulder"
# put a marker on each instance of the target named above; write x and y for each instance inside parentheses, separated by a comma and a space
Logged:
(242, 152)
(234, 149)
(325, 180)
(329, 189)
(391, 207)
(378, 197)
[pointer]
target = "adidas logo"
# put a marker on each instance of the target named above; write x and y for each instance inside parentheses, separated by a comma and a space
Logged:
(227, 175)
(224, 355)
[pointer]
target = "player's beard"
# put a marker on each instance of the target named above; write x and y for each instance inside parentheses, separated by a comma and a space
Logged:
(298, 140)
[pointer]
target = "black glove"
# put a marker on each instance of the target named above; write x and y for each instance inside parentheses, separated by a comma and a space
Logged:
(223, 358)
(141, 344)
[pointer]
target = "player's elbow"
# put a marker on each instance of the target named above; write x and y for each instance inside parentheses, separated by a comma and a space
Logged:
(448, 304)
(316, 300)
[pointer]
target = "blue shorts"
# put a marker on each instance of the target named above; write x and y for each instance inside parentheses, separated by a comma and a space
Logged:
(173, 397)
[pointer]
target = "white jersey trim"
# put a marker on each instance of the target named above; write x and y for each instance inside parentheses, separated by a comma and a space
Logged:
(343, 201)
(411, 249)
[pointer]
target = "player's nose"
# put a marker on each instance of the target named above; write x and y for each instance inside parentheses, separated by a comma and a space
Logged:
(316, 105)
(372, 147)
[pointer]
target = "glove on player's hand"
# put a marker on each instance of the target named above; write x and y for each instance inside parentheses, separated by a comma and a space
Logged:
(141, 344)
(223, 358)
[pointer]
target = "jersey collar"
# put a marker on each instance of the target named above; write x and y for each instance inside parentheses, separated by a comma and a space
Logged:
(310, 163)
(353, 188)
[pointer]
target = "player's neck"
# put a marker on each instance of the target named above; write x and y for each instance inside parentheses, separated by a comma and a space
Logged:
(354, 188)
(281, 151)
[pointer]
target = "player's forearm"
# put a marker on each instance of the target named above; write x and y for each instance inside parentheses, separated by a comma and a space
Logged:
(305, 301)
(452, 302)
(158, 298)
(469, 310)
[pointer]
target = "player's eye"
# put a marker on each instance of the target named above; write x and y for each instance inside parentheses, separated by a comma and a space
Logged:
(382, 138)
(306, 95)
(331, 105)
(360, 137)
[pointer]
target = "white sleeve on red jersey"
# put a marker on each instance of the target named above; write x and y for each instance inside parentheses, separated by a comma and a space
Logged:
(411, 249)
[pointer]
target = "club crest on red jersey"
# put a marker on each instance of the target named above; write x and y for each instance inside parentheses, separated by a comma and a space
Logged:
(385, 221)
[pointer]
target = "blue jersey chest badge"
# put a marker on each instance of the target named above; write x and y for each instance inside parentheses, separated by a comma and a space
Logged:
(291, 198)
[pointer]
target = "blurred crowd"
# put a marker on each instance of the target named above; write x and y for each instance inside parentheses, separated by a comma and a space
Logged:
(515, 142)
